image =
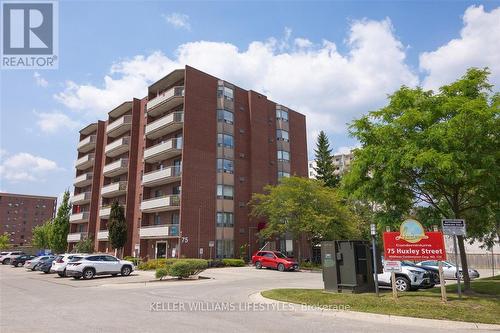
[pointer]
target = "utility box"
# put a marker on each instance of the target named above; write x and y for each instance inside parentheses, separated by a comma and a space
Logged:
(347, 266)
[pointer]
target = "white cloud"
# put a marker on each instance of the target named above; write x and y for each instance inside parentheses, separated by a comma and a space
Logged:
(329, 87)
(178, 20)
(26, 167)
(39, 80)
(55, 121)
(477, 46)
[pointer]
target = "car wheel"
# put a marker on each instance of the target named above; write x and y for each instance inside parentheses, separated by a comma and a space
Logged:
(126, 270)
(258, 265)
(402, 284)
(19, 264)
(60, 274)
(281, 267)
(46, 272)
(88, 273)
(6, 262)
(64, 273)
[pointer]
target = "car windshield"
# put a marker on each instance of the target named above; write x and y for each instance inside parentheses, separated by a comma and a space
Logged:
(75, 258)
(280, 255)
(3, 253)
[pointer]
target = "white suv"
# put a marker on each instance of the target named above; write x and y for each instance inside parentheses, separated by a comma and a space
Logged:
(98, 264)
(410, 278)
(59, 264)
(6, 257)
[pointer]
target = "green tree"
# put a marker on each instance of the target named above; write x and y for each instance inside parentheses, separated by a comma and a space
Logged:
(435, 149)
(4, 241)
(85, 245)
(302, 206)
(60, 226)
(41, 235)
(117, 227)
(324, 161)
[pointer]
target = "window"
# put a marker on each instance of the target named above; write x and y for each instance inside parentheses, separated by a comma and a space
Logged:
(282, 174)
(224, 165)
(175, 218)
(157, 219)
(283, 155)
(226, 92)
(282, 115)
(225, 219)
(224, 248)
(225, 116)
(176, 190)
(80, 228)
(282, 135)
(269, 255)
(225, 140)
(224, 192)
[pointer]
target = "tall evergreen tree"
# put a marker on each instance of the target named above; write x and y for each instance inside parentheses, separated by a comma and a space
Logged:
(117, 227)
(60, 227)
(324, 161)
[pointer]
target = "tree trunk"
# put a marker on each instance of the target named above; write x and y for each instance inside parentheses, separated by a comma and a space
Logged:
(464, 266)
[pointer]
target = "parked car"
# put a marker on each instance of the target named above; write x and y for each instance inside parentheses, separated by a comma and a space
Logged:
(45, 265)
(449, 269)
(59, 264)
(98, 264)
(410, 278)
(19, 261)
(274, 259)
(6, 257)
(31, 264)
(433, 273)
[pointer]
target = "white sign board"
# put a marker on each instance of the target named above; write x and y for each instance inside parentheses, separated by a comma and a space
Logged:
(453, 227)
(392, 266)
(211, 244)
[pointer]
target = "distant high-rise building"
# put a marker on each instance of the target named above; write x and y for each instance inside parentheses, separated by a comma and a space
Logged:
(341, 163)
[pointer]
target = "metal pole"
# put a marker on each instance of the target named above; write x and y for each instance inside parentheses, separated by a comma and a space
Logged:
(393, 283)
(199, 222)
(459, 288)
(375, 277)
(442, 282)
(492, 262)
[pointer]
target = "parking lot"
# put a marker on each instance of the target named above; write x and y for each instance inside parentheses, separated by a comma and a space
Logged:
(33, 301)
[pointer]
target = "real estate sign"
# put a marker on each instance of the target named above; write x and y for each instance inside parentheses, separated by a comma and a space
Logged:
(413, 243)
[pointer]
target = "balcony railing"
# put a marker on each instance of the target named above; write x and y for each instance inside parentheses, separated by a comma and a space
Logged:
(103, 235)
(115, 168)
(104, 212)
(163, 176)
(87, 144)
(159, 231)
(114, 189)
(85, 162)
(167, 124)
(117, 147)
(166, 101)
(163, 151)
(119, 126)
(83, 180)
(75, 237)
(79, 217)
(81, 198)
(160, 204)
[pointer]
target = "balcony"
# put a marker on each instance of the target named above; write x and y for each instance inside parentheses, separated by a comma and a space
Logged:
(117, 147)
(114, 189)
(79, 217)
(166, 101)
(159, 231)
(163, 151)
(160, 177)
(85, 162)
(83, 180)
(87, 144)
(115, 168)
(160, 204)
(81, 198)
(119, 126)
(165, 125)
(104, 212)
(102, 235)
(75, 237)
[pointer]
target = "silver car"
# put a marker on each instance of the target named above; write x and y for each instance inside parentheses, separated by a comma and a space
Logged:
(31, 264)
(449, 269)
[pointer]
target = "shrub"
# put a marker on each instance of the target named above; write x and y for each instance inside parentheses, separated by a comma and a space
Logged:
(152, 264)
(161, 272)
(233, 262)
(183, 268)
(134, 260)
(215, 263)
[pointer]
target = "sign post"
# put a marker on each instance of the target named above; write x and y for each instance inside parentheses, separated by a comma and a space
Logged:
(373, 232)
(393, 267)
(455, 227)
(441, 282)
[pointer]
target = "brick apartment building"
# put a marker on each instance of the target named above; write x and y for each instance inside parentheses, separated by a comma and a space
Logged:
(20, 213)
(184, 162)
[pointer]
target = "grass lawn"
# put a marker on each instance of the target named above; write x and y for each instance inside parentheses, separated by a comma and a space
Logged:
(483, 306)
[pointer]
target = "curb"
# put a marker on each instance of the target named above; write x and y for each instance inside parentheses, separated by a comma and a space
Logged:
(374, 317)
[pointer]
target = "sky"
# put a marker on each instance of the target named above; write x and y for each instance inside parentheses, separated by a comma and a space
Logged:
(331, 60)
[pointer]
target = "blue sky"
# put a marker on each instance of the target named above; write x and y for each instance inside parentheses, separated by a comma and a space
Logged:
(332, 61)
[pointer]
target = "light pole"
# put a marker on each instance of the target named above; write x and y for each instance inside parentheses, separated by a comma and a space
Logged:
(373, 233)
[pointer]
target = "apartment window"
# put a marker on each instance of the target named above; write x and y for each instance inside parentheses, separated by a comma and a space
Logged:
(224, 165)
(225, 140)
(158, 193)
(80, 228)
(282, 135)
(282, 115)
(224, 248)
(175, 218)
(157, 219)
(224, 219)
(226, 92)
(282, 174)
(176, 190)
(225, 192)
(225, 116)
(283, 155)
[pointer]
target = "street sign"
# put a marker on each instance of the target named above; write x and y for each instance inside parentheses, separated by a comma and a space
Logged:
(392, 266)
(211, 243)
(453, 227)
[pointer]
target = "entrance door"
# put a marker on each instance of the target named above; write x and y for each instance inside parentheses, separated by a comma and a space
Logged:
(161, 250)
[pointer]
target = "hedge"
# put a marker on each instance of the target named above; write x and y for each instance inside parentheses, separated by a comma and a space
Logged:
(181, 268)
(152, 264)
(161, 272)
(233, 262)
(134, 260)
